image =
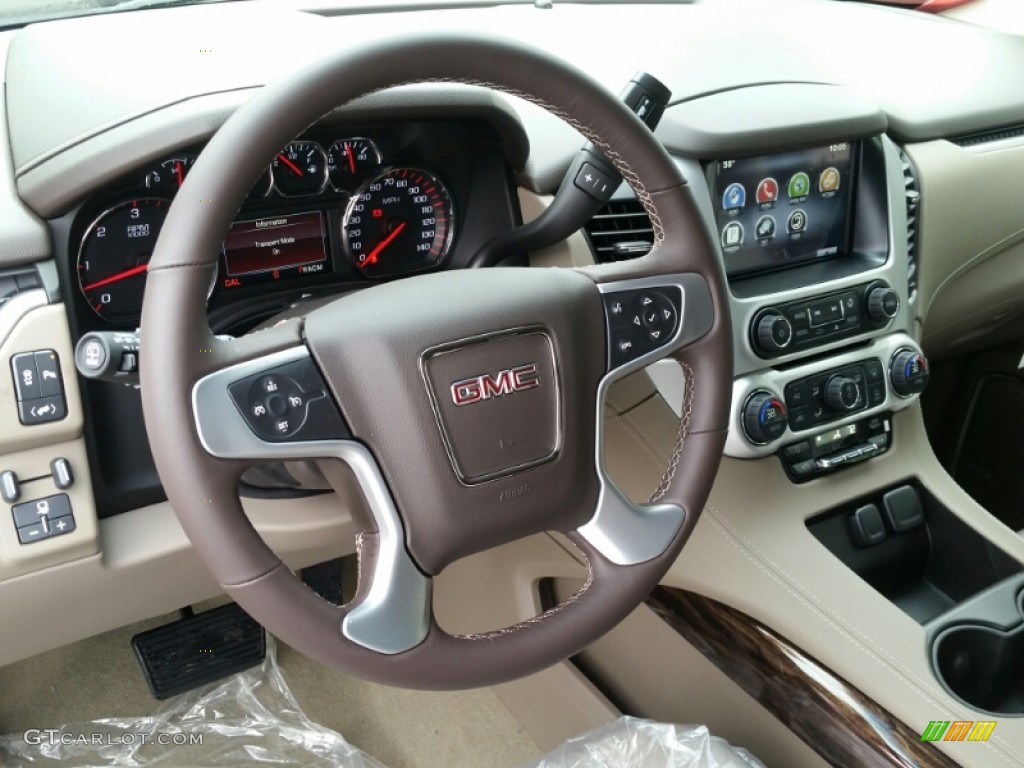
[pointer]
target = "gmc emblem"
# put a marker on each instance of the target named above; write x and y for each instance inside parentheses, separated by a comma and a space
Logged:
(485, 387)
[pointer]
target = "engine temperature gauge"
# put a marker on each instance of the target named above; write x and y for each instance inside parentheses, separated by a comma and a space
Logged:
(170, 174)
(351, 159)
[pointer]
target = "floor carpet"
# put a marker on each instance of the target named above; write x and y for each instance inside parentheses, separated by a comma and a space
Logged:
(99, 678)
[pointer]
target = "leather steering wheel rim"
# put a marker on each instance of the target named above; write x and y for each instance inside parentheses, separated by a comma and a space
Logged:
(182, 354)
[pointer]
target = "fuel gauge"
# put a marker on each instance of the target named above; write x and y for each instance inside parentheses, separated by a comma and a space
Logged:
(349, 160)
(300, 169)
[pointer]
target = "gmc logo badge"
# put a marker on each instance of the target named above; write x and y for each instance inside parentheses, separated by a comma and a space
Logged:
(485, 387)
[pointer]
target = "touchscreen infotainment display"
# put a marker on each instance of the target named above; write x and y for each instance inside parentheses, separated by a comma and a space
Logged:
(780, 210)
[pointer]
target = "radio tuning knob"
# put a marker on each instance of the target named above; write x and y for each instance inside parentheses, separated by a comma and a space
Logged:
(842, 394)
(773, 332)
(883, 303)
(908, 372)
(764, 417)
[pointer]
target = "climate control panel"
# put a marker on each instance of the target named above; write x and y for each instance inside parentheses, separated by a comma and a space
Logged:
(797, 326)
(777, 406)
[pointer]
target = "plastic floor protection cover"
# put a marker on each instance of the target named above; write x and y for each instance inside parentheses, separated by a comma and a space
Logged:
(252, 718)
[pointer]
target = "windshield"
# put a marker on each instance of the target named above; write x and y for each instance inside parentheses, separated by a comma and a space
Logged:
(14, 12)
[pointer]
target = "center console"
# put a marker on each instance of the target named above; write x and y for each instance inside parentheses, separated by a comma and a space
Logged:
(814, 244)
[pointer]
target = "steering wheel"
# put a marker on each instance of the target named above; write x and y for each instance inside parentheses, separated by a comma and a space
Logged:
(467, 405)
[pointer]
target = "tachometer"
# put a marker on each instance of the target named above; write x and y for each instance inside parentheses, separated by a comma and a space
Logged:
(402, 221)
(114, 254)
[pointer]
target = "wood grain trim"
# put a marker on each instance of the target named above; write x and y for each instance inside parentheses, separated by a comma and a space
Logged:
(840, 723)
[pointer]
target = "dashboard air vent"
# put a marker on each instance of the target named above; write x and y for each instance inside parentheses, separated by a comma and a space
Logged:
(912, 190)
(986, 137)
(620, 230)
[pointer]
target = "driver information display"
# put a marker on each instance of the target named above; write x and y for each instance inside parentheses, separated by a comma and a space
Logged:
(276, 243)
(779, 210)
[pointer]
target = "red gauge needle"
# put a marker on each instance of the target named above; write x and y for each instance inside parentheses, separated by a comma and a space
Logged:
(181, 176)
(372, 258)
(115, 278)
(289, 163)
(351, 159)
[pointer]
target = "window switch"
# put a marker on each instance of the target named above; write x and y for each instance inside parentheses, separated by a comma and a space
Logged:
(866, 526)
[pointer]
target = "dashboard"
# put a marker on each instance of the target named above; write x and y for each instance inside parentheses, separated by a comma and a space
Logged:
(864, 210)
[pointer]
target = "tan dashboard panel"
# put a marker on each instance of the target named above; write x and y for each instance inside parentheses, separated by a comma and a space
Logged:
(28, 451)
(17, 559)
(970, 223)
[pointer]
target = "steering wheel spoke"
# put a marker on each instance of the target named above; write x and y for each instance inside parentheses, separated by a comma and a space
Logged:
(277, 408)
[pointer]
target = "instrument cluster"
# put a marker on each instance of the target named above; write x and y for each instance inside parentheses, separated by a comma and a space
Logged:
(329, 208)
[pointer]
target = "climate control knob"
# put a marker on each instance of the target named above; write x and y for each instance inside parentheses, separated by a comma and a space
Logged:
(842, 394)
(773, 332)
(764, 417)
(908, 372)
(883, 303)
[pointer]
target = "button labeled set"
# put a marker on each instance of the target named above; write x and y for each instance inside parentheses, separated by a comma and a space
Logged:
(38, 386)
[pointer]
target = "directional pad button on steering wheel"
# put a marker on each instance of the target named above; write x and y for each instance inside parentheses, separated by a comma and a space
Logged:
(289, 402)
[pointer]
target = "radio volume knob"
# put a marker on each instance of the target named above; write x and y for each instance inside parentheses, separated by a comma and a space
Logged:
(908, 372)
(842, 394)
(764, 417)
(883, 303)
(773, 332)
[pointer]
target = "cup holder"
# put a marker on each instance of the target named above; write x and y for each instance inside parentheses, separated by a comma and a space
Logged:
(983, 666)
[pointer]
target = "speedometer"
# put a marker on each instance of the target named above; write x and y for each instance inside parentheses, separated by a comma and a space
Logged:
(402, 221)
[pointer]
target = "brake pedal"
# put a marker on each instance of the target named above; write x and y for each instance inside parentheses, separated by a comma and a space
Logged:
(199, 649)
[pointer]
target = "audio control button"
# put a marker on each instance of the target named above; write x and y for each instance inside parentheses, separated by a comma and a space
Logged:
(883, 303)
(773, 332)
